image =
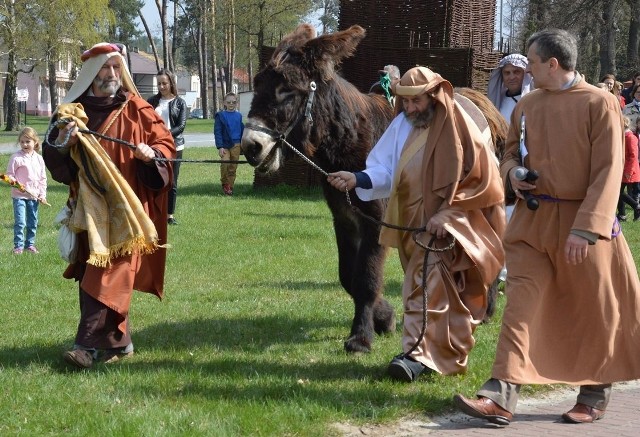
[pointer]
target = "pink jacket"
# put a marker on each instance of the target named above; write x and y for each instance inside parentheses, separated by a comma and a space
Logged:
(30, 171)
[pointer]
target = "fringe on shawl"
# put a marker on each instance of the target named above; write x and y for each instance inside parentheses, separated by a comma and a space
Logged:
(136, 244)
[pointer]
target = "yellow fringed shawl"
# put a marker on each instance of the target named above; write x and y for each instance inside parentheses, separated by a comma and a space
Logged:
(114, 217)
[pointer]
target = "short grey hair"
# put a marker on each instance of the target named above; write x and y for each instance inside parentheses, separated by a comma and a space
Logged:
(394, 72)
(556, 43)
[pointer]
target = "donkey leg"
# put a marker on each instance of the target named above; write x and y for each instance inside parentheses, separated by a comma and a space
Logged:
(361, 335)
(384, 317)
(373, 256)
(361, 261)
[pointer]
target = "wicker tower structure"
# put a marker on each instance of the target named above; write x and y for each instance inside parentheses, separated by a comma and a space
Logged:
(452, 37)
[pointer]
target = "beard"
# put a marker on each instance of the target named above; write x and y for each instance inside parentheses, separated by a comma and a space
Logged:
(108, 85)
(421, 119)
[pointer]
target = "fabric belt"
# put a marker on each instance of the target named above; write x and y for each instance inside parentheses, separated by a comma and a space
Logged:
(547, 198)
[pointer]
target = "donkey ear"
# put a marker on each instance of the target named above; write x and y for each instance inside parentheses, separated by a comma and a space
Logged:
(303, 33)
(331, 49)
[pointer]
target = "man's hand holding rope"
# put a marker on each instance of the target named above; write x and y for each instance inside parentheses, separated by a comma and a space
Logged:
(342, 180)
(436, 225)
(69, 133)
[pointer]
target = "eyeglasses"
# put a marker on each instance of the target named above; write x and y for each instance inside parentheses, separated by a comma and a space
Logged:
(231, 102)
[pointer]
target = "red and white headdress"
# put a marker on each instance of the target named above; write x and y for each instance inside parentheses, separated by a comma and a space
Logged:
(93, 60)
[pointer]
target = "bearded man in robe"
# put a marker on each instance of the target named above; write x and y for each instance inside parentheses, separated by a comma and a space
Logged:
(436, 165)
(573, 295)
(118, 196)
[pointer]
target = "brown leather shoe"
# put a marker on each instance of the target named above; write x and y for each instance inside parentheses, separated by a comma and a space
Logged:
(79, 358)
(582, 413)
(483, 408)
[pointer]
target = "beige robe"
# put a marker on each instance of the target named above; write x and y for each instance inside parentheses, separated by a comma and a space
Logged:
(563, 323)
(457, 279)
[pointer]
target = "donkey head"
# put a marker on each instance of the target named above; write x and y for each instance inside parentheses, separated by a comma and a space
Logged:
(282, 87)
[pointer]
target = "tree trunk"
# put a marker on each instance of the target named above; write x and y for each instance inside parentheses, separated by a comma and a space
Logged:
(537, 17)
(250, 65)
(232, 46)
(166, 53)
(608, 42)
(173, 37)
(10, 93)
(204, 75)
(595, 50)
(153, 44)
(634, 34)
(214, 74)
(53, 83)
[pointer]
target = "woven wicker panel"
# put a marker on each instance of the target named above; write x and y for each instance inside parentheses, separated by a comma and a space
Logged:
(472, 24)
(453, 37)
(423, 23)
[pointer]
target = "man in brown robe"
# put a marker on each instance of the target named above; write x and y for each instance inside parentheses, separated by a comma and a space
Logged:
(436, 165)
(572, 290)
(119, 198)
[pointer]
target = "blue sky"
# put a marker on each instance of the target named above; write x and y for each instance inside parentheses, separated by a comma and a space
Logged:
(150, 12)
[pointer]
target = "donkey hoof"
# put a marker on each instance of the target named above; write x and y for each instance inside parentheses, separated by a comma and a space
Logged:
(384, 318)
(357, 344)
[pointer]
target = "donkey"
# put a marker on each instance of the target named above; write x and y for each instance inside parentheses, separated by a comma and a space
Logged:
(300, 99)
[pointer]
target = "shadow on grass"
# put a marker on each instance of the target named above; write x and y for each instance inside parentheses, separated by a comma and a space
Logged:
(246, 190)
(247, 340)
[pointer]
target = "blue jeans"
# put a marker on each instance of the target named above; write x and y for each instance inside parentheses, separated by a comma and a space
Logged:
(25, 215)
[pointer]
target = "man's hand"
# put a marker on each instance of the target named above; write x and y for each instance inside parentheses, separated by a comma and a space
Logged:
(435, 225)
(517, 185)
(62, 135)
(144, 153)
(342, 180)
(575, 249)
(222, 152)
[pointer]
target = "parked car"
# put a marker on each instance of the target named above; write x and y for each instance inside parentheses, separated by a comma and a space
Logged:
(196, 113)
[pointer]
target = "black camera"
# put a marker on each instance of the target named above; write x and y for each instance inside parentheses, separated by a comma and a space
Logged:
(530, 176)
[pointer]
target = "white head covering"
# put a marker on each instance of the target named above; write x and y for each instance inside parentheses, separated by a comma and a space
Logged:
(496, 90)
(93, 60)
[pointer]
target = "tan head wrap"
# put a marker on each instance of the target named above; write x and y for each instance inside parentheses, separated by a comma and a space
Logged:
(93, 60)
(420, 80)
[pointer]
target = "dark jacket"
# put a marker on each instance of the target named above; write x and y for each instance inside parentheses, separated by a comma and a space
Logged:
(177, 115)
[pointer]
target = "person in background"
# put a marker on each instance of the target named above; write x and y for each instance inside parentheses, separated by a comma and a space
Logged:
(616, 90)
(508, 83)
(435, 164)
(27, 173)
(389, 77)
(627, 92)
(609, 80)
(572, 291)
(118, 195)
(173, 110)
(632, 109)
(630, 175)
(228, 128)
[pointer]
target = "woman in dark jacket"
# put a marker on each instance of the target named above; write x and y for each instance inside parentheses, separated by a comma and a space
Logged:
(173, 110)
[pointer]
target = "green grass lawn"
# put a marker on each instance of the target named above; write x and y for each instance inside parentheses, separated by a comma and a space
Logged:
(247, 341)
